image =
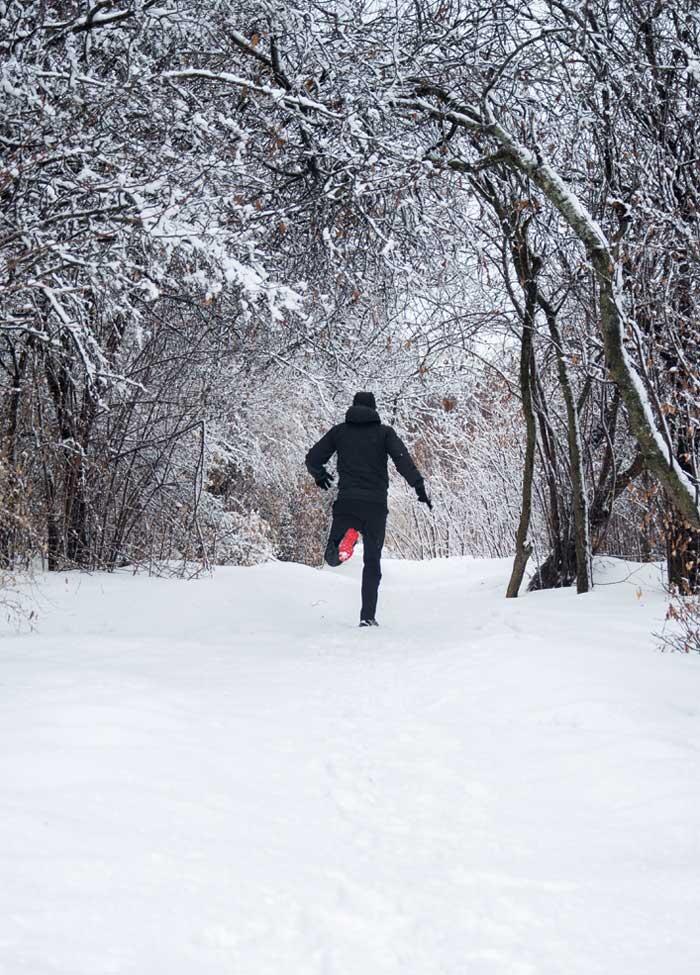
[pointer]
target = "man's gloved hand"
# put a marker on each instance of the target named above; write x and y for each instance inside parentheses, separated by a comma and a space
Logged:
(324, 480)
(422, 495)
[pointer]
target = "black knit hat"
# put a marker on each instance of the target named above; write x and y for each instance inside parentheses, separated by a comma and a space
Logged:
(365, 399)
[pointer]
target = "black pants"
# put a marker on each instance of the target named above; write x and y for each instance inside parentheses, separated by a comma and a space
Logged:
(369, 519)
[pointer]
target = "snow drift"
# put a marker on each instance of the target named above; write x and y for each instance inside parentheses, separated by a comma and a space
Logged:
(229, 776)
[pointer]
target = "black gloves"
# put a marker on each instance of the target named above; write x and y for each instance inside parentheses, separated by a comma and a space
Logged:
(421, 495)
(324, 480)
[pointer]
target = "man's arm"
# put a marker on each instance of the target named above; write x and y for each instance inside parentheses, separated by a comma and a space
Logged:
(398, 451)
(319, 455)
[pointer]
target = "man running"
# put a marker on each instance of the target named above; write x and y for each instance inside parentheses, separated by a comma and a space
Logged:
(363, 444)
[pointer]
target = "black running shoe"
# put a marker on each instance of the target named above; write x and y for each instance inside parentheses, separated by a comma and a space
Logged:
(368, 623)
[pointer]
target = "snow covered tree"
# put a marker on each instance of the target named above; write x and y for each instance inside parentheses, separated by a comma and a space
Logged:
(209, 213)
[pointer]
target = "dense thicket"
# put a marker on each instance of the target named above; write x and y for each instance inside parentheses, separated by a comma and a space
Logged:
(217, 221)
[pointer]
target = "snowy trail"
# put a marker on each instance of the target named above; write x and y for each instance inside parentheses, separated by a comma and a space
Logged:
(228, 776)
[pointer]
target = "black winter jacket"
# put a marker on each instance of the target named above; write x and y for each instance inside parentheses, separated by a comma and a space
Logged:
(363, 444)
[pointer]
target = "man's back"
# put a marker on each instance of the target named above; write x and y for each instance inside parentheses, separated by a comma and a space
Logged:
(363, 444)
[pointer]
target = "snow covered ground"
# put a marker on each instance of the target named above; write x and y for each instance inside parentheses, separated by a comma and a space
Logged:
(228, 776)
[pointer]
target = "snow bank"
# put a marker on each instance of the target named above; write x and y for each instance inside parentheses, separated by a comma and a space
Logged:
(228, 776)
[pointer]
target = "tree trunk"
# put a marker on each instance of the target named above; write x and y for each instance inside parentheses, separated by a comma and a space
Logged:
(523, 549)
(682, 554)
(11, 503)
(582, 539)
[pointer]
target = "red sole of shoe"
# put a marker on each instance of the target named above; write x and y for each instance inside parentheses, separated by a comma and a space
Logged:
(347, 544)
